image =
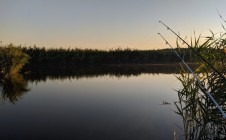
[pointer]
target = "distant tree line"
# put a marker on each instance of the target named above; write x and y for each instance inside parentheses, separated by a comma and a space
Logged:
(76, 57)
(13, 58)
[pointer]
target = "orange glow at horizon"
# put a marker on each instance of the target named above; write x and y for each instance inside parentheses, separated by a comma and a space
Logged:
(104, 24)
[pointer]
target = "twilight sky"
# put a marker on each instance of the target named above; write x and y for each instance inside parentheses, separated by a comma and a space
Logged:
(105, 24)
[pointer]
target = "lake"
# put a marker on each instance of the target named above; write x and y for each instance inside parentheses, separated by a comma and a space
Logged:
(123, 105)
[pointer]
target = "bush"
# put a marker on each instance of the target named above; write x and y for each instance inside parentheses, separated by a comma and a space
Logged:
(12, 59)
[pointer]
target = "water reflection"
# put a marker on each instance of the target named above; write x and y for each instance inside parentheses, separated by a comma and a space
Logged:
(16, 85)
(13, 88)
(42, 73)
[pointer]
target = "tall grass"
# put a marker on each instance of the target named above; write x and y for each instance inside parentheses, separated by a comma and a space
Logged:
(202, 120)
(12, 60)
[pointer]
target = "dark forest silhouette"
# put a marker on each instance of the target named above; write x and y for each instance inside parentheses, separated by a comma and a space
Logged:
(75, 57)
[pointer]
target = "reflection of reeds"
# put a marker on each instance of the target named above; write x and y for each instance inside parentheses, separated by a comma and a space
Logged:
(13, 87)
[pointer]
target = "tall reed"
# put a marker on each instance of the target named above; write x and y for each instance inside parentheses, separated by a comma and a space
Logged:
(202, 120)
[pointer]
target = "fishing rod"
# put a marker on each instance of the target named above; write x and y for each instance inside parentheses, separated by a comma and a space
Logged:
(204, 89)
(196, 52)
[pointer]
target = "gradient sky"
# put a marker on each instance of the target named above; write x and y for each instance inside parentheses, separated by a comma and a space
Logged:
(105, 24)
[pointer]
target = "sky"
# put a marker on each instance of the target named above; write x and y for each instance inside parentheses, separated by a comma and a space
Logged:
(105, 24)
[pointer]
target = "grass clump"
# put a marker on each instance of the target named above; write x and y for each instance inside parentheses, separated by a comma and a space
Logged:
(12, 60)
(202, 120)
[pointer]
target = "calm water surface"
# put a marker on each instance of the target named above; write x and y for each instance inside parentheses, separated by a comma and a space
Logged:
(105, 107)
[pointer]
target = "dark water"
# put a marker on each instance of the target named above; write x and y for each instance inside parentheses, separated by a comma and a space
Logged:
(83, 105)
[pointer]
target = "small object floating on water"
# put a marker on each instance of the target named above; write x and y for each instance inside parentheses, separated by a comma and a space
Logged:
(165, 103)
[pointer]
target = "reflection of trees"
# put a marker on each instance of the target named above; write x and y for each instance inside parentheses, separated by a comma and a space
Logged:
(41, 73)
(13, 87)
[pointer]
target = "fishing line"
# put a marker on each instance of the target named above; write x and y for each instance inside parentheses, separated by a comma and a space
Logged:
(196, 52)
(204, 89)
